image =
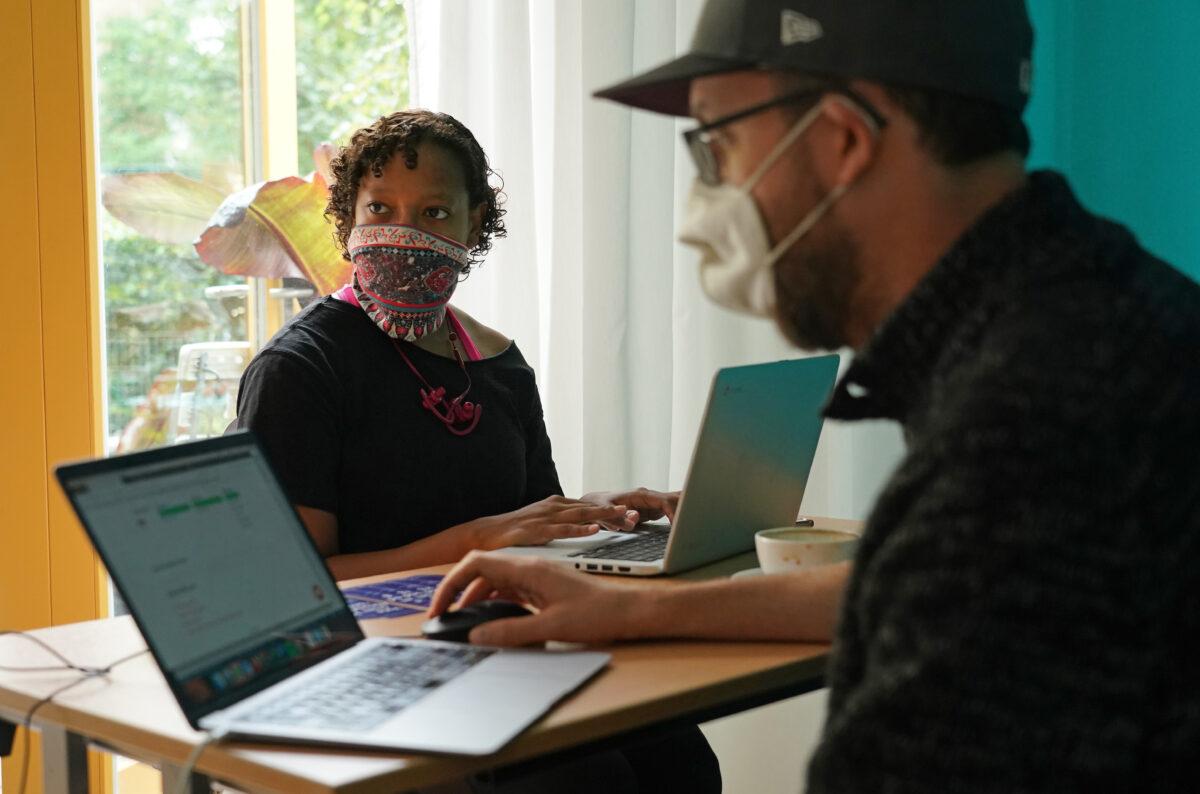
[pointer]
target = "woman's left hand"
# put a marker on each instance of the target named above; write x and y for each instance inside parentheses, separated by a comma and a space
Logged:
(644, 504)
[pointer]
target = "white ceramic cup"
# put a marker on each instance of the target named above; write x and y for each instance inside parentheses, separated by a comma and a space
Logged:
(784, 549)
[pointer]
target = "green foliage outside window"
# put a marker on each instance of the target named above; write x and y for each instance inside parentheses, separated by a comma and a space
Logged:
(170, 99)
(171, 89)
(351, 68)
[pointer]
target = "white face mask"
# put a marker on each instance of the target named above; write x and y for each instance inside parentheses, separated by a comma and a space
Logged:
(724, 224)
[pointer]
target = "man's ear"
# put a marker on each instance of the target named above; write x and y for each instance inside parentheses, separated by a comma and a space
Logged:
(856, 138)
(476, 216)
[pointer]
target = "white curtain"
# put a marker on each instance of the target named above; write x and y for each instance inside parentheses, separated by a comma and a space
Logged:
(604, 304)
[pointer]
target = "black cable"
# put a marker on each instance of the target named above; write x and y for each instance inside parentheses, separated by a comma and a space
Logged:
(88, 673)
(129, 657)
(189, 764)
(27, 722)
(66, 663)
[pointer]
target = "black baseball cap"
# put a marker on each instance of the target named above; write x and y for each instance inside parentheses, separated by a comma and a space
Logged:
(974, 48)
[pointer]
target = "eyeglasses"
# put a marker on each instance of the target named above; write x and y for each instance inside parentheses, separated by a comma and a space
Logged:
(699, 141)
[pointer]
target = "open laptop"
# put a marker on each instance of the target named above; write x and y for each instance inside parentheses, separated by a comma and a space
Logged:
(252, 633)
(748, 472)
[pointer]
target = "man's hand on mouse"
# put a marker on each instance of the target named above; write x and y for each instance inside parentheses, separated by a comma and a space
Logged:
(571, 607)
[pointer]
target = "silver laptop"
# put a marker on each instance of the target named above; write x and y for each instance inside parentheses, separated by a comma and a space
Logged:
(748, 472)
(252, 633)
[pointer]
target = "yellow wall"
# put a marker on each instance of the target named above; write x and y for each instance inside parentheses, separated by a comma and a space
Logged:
(49, 411)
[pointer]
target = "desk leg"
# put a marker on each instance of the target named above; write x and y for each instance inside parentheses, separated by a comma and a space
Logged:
(64, 761)
(196, 783)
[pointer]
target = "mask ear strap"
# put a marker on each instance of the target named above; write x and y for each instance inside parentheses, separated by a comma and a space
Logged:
(807, 223)
(786, 141)
(832, 196)
(862, 112)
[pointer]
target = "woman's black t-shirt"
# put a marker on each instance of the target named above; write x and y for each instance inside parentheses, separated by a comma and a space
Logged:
(340, 416)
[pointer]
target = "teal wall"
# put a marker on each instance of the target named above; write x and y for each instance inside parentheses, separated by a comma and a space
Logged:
(1116, 106)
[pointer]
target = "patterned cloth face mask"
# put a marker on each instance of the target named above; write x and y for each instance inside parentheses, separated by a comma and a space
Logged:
(404, 277)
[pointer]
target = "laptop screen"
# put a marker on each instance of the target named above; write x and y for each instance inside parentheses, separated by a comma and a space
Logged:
(215, 565)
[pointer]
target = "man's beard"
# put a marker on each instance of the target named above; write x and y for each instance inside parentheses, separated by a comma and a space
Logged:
(815, 281)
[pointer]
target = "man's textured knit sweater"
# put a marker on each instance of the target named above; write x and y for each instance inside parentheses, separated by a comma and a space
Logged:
(1026, 597)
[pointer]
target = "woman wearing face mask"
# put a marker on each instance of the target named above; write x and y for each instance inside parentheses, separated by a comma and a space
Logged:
(406, 432)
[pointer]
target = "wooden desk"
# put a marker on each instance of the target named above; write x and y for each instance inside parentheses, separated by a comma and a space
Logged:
(132, 711)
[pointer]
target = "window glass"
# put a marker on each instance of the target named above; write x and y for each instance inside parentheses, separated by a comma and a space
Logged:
(169, 85)
(351, 68)
(169, 91)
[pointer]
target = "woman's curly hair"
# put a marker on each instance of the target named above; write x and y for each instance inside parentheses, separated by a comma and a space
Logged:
(401, 133)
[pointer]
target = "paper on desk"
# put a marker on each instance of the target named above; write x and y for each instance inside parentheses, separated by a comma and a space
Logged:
(412, 591)
(369, 610)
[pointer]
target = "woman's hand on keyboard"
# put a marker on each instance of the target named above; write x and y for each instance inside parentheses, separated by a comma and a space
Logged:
(648, 505)
(541, 522)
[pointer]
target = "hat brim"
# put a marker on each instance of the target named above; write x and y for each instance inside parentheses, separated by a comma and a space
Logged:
(664, 89)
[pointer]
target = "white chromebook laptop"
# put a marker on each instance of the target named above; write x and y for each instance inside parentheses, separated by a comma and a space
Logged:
(252, 633)
(748, 472)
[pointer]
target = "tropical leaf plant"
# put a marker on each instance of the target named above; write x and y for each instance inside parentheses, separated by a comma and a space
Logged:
(273, 229)
(169, 208)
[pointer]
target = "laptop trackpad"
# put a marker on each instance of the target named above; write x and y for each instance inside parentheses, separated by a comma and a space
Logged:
(590, 541)
(567, 546)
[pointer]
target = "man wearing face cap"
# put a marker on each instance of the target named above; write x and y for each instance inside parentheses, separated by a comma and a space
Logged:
(1027, 589)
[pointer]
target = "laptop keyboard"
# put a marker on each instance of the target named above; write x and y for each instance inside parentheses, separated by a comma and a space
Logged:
(361, 694)
(649, 547)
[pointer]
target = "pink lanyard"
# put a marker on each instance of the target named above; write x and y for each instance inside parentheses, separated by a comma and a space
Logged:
(459, 415)
(346, 293)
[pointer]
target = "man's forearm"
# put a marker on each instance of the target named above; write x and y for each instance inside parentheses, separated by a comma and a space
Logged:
(800, 606)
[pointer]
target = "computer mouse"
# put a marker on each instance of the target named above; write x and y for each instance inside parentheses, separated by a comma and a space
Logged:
(456, 626)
